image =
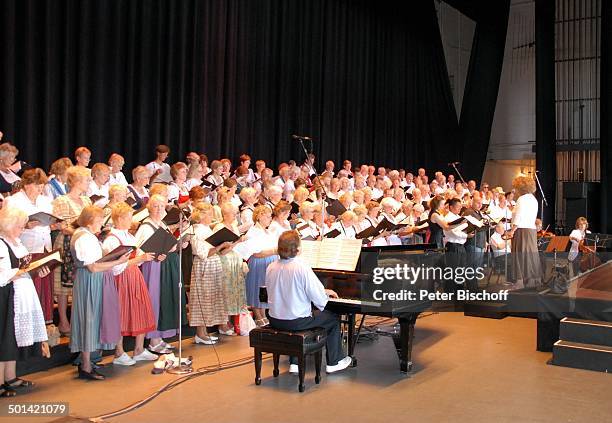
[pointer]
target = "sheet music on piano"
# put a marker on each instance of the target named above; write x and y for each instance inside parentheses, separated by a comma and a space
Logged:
(332, 253)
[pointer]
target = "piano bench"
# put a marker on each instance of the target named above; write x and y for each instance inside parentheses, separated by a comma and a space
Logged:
(293, 343)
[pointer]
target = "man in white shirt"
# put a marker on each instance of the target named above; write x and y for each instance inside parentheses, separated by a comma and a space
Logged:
(292, 286)
(160, 171)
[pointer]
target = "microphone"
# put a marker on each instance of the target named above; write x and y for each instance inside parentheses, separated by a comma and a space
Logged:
(300, 137)
(453, 163)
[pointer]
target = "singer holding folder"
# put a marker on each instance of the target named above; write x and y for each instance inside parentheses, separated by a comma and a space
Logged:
(22, 325)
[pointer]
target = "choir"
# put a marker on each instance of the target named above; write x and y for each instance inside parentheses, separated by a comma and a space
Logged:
(96, 212)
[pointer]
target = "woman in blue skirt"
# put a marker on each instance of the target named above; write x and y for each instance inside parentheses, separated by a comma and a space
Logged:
(89, 324)
(264, 252)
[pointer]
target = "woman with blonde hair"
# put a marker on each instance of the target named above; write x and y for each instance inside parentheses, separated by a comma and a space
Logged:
(233, 269)
(262, 256)
(207, 297)
(8, 154)
(526, 266)
(22, 324)
(95, 315)
(68, 208)
(136, 311)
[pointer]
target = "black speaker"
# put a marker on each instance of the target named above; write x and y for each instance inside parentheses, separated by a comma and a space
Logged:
(581, 199)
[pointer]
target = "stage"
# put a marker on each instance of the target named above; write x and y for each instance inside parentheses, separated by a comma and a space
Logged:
(466, 369)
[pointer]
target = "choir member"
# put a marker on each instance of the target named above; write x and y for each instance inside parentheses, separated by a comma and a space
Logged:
(22, 325)
(249, 198)
(56, 185)
(264, 254)
(68, 208)
(98, 187)
(208, 304)
(216, 177)
(116, 163)
(152, 273)
(526, 267)
(226, 170)
(260, 165)
(116, 194)
(178, 191)
(272, 196)
(204, 163)
(138, 187)
(280, 223)
(136, 311)
(305, 225)
(292, 289)
(245, 162)
(499, 244)
(318, 218)
(233, 269)
(82, 157)
(8, 154)
(36, 237)
(159, 170)
(345, 225)
(195, 174)
(437, 223)
(95, 320)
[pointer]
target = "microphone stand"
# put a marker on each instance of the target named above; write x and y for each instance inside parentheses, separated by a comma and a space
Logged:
(318, 178)
(543, 201)
(454, 165)
(181, 368)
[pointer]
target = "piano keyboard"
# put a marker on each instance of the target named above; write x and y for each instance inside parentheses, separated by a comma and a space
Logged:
(354, 302)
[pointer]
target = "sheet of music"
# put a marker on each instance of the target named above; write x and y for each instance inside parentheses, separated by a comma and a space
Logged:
(339, 254)
(474, 221)
(309, 252)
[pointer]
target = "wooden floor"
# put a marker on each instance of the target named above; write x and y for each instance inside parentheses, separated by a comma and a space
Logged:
(466, 370)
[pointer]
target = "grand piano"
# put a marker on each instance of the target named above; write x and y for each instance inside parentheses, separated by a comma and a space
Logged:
(355, 290)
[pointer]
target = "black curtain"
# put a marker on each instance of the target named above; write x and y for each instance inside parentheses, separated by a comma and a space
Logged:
(606, 117)
(366, 79)
(546, 149)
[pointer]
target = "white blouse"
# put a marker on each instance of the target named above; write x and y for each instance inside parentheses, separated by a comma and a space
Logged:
(38, 239)
(6, 271)
(526, 212)
(117, 179)
(87, 247)
(276, 229)
(199, 246)
(94, 189)
(115, 239)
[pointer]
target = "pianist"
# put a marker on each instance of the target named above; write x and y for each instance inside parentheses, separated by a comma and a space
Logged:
(292, 286)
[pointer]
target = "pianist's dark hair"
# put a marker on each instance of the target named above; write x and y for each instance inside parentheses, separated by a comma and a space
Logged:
(288, 244)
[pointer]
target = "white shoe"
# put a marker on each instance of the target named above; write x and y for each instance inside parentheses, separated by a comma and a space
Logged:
(145, 356)
(213, 337)
(207, 340)
(229, 332)
(124, 360)
(159, 348)
(167, 345)
(294, 369)
(342, 364)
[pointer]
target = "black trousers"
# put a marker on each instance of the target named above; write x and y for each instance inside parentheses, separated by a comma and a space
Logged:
(321, 319)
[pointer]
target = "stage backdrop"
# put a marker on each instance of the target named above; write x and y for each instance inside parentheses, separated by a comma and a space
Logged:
(366, 79)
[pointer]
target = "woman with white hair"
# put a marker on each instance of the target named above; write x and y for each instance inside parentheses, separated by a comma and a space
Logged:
(98, 187)
(8, 154)
(248, 196)
(155, 277)
(22, 324)
(138, 189)
(234, 269)
(116, 162)
(305, 225)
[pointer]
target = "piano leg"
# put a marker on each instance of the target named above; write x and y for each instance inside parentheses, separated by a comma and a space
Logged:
(351, 338)
(403, 343)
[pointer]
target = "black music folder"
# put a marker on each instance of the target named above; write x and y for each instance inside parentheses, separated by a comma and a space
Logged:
(332, 234)
(45, 219)
(95, 198)
(161, 242)
(221, 236)
(457, 221)
(116, 253)
(335, 208)
(207, 184)
(173, 216)
(131, 201)
(370, 232)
